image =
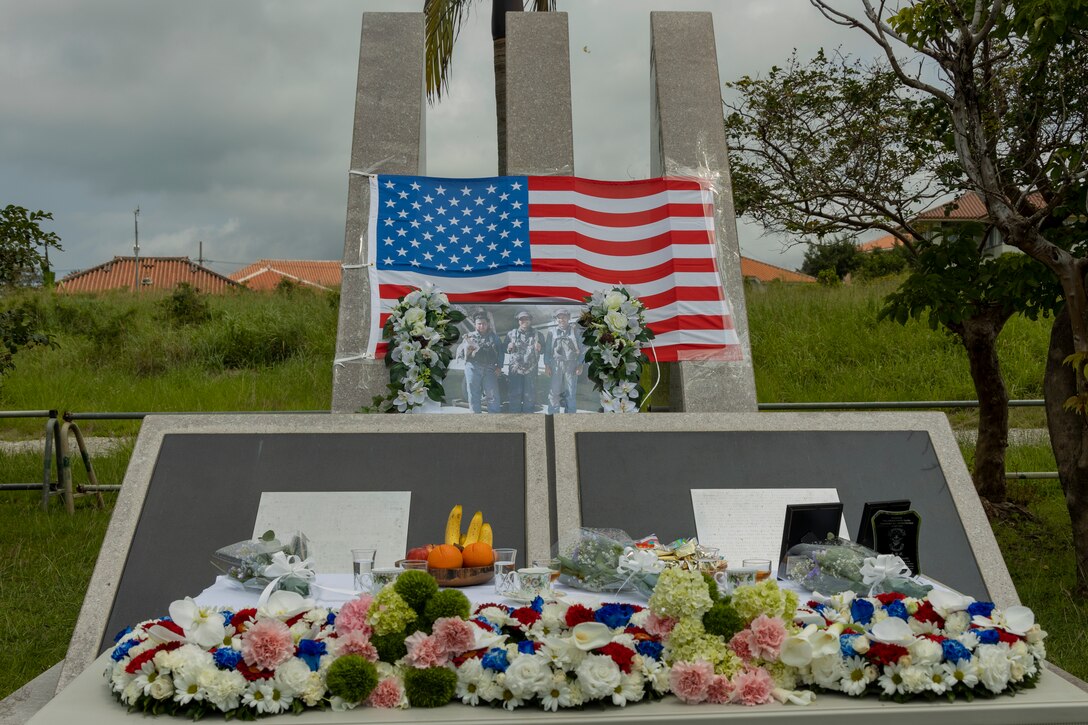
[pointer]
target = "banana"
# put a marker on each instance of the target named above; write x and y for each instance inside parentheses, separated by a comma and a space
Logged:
(486, 536)
(453, 525)
(474, 527)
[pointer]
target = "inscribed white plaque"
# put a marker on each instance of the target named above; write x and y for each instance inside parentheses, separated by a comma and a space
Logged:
(746, 523)
(336, 522)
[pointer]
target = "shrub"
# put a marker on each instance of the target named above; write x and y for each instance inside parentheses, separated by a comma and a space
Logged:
(185, 306)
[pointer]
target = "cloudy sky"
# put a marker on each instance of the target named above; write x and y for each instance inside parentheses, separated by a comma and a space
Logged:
(230, 122)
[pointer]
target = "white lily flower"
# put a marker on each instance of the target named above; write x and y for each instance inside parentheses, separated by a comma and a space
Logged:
(1016, 619)
(590, 635)
(946, 602)
(794, 697)
(892, 630)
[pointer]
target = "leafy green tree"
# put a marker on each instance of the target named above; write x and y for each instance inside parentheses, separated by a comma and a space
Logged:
(841, 256)
(444, 20)
(1004, 81)
(24, 245)
(883, 263)
(836, 145)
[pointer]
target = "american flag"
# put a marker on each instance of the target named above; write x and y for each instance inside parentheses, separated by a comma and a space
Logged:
(555, 238)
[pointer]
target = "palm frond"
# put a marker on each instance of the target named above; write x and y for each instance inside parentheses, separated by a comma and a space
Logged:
(444, 19)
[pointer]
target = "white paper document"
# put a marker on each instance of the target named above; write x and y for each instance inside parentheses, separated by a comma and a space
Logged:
(336, 522)
(746, 523)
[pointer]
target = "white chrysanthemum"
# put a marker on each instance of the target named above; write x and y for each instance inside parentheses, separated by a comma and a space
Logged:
(495, 615)
(969, 640)
(892, 680)
(528, 676)
(994, 668)
(925, 652)
(859, 673)
(956, 623)
(599, 676)
(469, 677)
(964, 672)
(915, 678)
(827, 671)
(489, 687)
(919, 627)
(630, 689)
(577, 696)
(188, 660)
(222, 688)
(939, 680)
(557, 694)
(638, 619)
(132, 692)
(656, 674)
(187, 686)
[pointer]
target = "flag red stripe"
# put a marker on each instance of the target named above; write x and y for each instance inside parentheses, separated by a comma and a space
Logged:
(630, 276)
(621, 249)
(607, 219)
(691, 322)
(611, 189)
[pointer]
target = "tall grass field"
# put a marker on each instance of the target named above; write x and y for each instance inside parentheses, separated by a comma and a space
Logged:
(274, 352)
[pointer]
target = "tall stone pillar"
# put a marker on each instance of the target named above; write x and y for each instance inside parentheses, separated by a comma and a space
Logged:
(688, 134)
(539, 135)
(389, 137)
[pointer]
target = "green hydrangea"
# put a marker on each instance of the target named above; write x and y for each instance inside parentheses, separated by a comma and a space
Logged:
(447, 603)
(783, 675)
(415, 587)
(389, 612)
(764, 598)
(680, 593)
(352, 677)
(722, 619)
(430, 686)
(709, 647)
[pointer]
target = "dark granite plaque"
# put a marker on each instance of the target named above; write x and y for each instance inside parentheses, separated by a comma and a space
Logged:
(865, 528)
(898, 533)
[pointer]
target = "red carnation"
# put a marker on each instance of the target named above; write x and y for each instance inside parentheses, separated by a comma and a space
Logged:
(138, 661)
(938, 638)
(473, 654)
(889, 597)
(481, 625)
(1008, 637)
(881, 654)
(526, 616)
(637, 632)
(578, 613)
(242, 617)
(486, 605)
(621, 655)
(926, 613)
(253, 673)
(295, 619)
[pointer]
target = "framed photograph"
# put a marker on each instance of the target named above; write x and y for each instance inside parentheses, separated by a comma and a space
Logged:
(808, 523)
(520, 358)
(865, 528)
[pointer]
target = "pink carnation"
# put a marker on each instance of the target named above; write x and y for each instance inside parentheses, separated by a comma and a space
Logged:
(768, 634)
(267, 643)
(753, 687)
(425, 651)
(659, 626)
(356, 643)
(455, 635)
(743, 644)
(387, 694)
(352, 617)
(720, 690)
(690, 681)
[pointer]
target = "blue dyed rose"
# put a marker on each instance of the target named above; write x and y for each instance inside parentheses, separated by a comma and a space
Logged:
(227, 658)
(649, 648)
(538, 604)
(117, 637)
(496, 660)
(980, 609)
(954, 651)
(897, 609)
(846, 644)
(526, 647)
(121, 650)
(614, 615)
(310, 651)
(861, 611)
(227, 616)
(987, 636)
(331, 619)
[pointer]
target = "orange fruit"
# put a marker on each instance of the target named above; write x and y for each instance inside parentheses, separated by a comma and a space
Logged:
(444, 556)
(478, 554)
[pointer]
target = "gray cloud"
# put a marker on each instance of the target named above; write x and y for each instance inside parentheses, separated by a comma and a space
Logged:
(231, 122)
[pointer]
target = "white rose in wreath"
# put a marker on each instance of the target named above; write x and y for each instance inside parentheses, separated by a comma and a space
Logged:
(599, 676)
(415, 317)
(616, 321)
(613, 300)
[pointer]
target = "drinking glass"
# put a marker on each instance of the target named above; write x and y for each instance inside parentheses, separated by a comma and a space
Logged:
(362, 564)
(420, 564)
(505, 571)
(762, 567)
(551, 564)
(383, 576)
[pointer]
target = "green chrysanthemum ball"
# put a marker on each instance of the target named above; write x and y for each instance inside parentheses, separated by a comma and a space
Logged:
(723, 620)
(430, 686)
(712, 586)
(447, 603)
(390, 646)
(352, 677)
(416, 587)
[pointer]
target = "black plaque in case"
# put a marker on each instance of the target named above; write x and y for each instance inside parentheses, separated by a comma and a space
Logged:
(808, 523)
(897, 532)
(865, 528)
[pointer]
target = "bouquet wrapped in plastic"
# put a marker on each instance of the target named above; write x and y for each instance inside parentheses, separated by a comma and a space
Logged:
(258, 563)
(838, 565)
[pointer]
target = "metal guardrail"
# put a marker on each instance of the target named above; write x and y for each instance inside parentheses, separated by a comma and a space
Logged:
(893, 405)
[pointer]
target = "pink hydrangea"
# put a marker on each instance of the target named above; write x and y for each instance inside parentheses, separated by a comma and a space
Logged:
(753, 687)
(690, 681)
(455, 635)
(386, 694)
(659, 626)
(425, 650)
(267, 643)
(768, 634)
(356, 643)
(720, 690)
(352, 616)
(743, 644)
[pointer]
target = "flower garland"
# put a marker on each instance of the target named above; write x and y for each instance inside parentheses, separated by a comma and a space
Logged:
(614, 332)
(412, 645)
(421, 332)
(902, 648)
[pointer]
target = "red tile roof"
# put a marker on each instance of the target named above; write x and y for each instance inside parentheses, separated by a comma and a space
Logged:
(968, 207)
(754, 269)
(160, 273)
(888, 241)
(265, 274)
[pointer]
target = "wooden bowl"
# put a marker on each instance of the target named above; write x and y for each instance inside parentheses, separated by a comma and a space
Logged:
(464, 577)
